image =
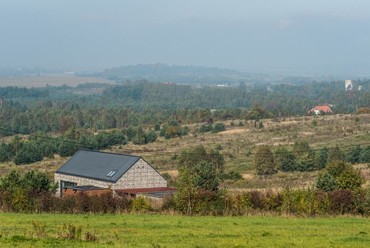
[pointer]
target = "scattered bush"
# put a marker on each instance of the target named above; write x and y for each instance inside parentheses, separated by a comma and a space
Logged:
(219, 127)
(140, 204)
(206, 128)
(70, 231)
(339, 175)
(232, 175)
(326, 182)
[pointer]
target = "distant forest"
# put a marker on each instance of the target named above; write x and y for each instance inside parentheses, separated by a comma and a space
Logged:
(141, 103)
(180, 74)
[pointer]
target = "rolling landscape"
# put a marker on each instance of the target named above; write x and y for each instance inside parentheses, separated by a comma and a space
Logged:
(184, 124)
(237, 145)
(180, 132)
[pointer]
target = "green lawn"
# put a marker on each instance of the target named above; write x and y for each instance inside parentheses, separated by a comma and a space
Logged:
(47, 230)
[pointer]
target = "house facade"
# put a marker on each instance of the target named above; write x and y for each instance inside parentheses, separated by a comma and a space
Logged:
(107, 171)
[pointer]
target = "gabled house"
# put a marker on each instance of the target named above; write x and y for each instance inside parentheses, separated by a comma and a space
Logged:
(93, 170)
(321, 109)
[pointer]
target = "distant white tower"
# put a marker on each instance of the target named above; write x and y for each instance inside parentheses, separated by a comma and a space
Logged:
(348, 84)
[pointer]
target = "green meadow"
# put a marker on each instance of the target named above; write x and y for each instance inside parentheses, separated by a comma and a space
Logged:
(145, 230)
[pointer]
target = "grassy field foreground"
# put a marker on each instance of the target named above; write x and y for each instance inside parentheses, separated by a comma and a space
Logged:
(143, 230)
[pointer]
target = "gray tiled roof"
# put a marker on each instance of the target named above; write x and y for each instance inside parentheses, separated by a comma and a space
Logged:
(97, 165)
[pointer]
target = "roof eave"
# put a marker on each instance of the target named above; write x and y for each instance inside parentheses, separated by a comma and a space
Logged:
(94, 178)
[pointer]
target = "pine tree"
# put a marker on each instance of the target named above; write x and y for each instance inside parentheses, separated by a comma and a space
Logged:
(336, 154)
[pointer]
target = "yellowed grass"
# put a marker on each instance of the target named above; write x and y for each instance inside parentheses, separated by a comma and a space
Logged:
(233, 131)
(172, 173)
(247, 176)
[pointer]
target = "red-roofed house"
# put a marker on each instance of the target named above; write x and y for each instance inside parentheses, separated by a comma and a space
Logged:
(321, 109)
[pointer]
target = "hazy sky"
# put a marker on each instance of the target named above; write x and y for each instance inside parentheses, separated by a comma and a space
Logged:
(303, 36)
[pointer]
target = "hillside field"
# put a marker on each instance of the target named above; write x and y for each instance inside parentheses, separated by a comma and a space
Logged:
(143, 230)
(238, 143)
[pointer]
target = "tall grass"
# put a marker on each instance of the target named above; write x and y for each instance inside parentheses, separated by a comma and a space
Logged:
(144, 230)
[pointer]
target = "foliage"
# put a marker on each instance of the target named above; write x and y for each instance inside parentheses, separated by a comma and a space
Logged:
(321, 158)
(342, 201)
(42, 145)
(336, 154)
(70, 231)
(67, 148)
(350, 179)
(18, 190)
(199, 172)
(142, 103)
(303, 158)
(35, 181)
(150, 137)
(28, 153)
(365, 155)
(196, 155)
(339, 175)
(208, 176)
(285, 160)
(354, 155)
(326, 182)
(257, 113)
(139, 138)
(186, 190)
(218, 127)
(140, 204)
(232, 175)
(302, 202)
(206, 128)
(18, 92)
(264, 161)
(5, 152)
(173, 129)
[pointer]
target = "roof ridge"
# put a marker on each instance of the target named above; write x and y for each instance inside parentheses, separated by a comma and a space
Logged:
(113, 153)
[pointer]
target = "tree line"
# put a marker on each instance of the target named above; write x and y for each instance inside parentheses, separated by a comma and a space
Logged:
(56, 109)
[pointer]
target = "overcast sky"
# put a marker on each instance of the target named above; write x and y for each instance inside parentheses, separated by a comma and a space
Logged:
(303, 36)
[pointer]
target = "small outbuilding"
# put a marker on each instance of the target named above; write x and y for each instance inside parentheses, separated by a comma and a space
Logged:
(98, 171)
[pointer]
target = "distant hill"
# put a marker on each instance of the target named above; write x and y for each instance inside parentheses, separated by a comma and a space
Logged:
(180, 74)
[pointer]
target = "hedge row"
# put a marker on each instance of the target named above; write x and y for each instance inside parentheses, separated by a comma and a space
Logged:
(299, 202)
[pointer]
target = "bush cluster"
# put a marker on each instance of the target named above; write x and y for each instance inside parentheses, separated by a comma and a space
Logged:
(304, 158)
(46, 202)
(41, 145)
(218, 127)
(173, 129)
(339, 175)
(32, 191)
(299, 202)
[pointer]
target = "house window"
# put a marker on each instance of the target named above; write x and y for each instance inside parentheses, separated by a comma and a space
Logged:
(66, 184)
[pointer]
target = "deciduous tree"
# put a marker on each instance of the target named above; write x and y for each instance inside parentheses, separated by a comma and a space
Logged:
(264, 161)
